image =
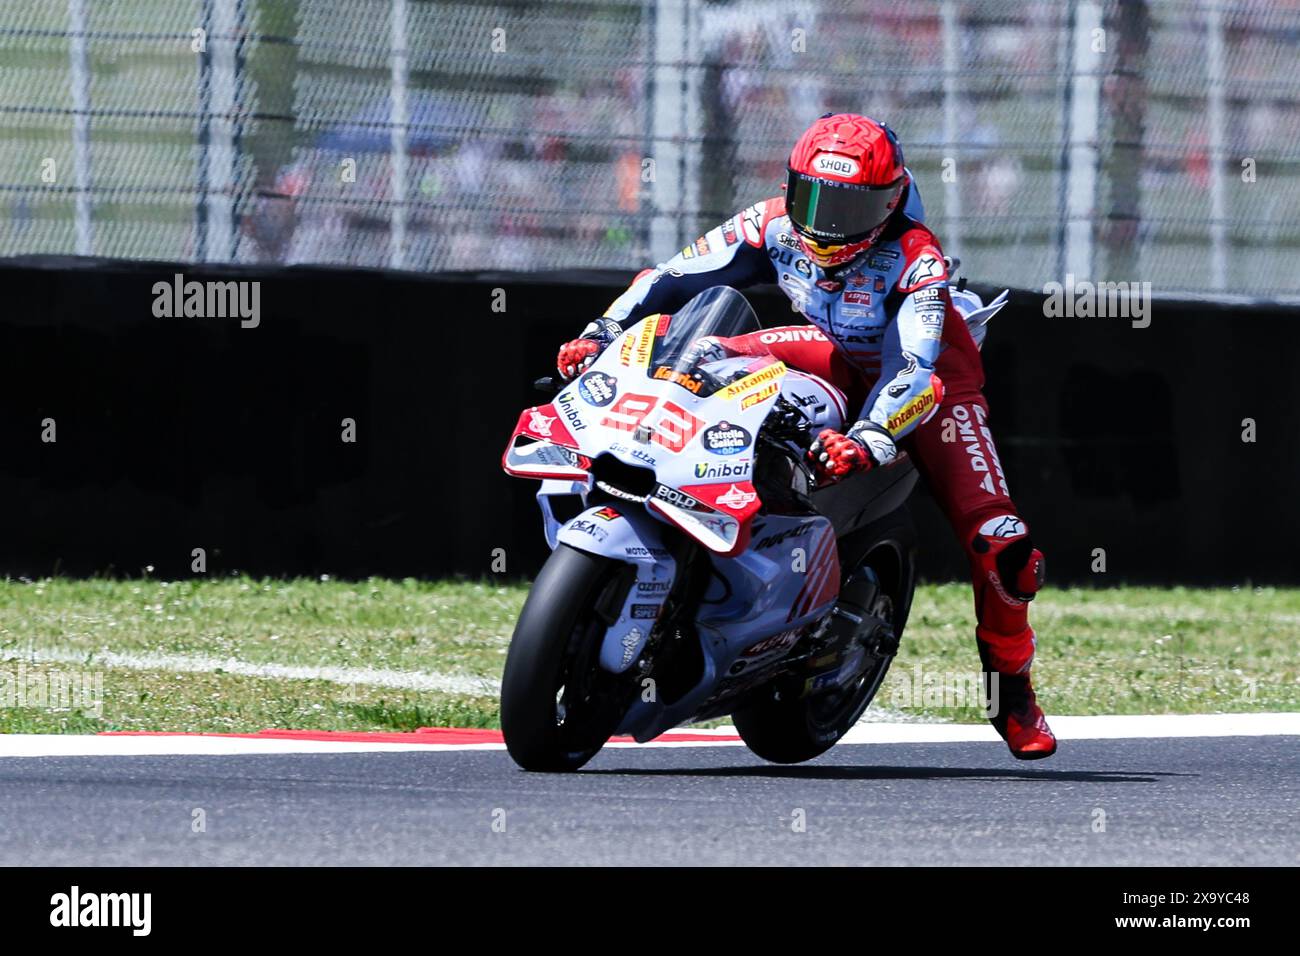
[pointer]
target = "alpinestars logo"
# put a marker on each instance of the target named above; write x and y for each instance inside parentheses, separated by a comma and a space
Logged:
(927, 268)
(1004, 526)
(751, 221)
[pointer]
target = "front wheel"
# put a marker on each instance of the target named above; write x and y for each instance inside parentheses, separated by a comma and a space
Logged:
(784, 727)
(558, 706)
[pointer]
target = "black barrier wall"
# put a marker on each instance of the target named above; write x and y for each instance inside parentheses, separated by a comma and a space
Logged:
(1121, 444)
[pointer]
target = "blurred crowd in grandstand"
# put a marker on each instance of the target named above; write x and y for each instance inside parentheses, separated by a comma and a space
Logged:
(529, 149)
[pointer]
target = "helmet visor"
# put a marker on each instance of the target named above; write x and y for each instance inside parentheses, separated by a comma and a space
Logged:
(837, 212)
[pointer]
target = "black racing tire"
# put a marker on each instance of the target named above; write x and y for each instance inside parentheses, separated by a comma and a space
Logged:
(553, 654)
(791, 729)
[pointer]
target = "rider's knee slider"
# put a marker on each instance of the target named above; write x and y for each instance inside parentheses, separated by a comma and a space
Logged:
(1020, 567)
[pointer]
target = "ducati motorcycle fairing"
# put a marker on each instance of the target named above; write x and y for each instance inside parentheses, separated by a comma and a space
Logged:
(632, 537)
(655, 446)
(756, 608)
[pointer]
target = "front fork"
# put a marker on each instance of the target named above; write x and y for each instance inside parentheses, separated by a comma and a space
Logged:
(628, 535)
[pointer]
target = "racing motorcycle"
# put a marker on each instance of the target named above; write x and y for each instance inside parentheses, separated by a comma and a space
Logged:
(698, 570)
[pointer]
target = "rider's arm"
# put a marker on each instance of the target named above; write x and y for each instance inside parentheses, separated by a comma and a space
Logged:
(908, 391)
(731, 254)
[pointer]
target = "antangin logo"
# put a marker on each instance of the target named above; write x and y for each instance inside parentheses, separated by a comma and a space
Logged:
(914, 409)
(644, 343)
(768, 374)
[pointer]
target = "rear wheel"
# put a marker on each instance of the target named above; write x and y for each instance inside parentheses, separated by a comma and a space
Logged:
(558, 706)
(786, 728)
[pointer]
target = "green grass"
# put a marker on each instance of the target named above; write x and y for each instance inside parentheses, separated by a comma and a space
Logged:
(1120, 650)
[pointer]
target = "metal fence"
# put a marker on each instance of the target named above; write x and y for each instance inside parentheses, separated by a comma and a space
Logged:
(1154, 140)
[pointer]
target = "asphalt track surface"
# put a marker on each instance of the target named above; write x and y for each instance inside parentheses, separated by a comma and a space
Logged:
(1191, 801)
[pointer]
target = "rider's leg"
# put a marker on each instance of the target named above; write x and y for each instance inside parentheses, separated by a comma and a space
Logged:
(955, 452)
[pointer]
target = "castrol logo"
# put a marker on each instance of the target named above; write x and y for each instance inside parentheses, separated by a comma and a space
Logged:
(833, 164)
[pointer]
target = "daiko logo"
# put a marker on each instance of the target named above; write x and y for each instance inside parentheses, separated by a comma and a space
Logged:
(795, 334)
(673, 428)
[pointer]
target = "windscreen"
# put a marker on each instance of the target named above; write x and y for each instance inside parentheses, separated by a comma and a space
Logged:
(686, 343)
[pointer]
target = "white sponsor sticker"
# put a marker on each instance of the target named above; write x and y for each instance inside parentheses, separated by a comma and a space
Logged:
(833, 164)
(735, 498)
(541, 423)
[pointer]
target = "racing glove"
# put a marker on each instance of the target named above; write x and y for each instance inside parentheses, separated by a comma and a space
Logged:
(578, 354)
(866, 444)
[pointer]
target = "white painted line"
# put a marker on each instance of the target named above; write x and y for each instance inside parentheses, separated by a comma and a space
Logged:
(1160, 613)
(1113, 727)
(83, 745)
(1106, 727)
(196, 664)
(1067, 728)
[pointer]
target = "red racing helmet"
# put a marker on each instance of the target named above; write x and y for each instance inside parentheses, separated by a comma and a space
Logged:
(845, 178)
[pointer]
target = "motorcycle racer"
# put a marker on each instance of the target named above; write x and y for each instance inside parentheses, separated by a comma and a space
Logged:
(847, 245)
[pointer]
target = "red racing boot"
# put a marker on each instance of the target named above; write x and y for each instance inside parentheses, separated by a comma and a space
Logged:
(1014, 712)
(1008, 573)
